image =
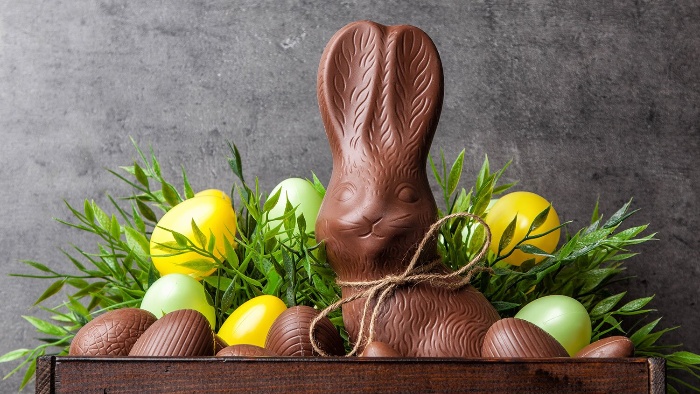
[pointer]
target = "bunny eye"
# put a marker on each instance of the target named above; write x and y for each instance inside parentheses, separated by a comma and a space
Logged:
(344, 192)
(407, 193)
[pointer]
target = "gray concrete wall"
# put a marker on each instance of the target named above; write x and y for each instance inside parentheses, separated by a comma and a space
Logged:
(592, 100)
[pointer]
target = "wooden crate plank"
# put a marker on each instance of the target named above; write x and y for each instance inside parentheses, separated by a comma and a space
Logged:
(322, 375)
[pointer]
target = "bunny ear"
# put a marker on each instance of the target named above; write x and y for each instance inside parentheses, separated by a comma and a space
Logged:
(380, 91)
(415, 91)
(347, 83)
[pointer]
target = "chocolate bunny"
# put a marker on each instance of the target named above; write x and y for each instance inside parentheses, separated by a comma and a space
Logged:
(380, 91)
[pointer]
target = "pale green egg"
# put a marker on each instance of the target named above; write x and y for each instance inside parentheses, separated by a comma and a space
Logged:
(562, 317)
(177, 291)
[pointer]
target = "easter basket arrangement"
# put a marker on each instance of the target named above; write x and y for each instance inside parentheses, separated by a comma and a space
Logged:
(281, 260)
(265, 285)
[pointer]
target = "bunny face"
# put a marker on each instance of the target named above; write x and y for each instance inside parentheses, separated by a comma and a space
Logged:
(373, 218)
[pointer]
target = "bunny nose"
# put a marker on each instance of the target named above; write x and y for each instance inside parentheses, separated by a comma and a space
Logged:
(371, 224)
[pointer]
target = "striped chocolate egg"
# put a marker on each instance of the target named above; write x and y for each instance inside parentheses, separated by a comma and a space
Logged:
(513, 337)
(181, 333)
(289, 334)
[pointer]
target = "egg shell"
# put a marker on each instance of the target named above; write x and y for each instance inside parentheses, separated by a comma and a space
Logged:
(289, 334)
(250, 322)
(112, 333)
(611, 347)
(177, 291)
(182, 333)
(562, 317)
(513, 337)
(245, 350)
(379, 349)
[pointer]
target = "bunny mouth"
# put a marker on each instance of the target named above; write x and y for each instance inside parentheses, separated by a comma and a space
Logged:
(364, 230)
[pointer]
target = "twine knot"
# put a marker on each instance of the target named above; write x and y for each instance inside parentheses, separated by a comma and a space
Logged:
(379, 290)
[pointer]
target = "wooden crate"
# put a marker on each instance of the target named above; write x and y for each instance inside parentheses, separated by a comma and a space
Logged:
(331, 375)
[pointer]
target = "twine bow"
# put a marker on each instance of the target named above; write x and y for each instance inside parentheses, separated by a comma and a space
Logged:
(381, 289)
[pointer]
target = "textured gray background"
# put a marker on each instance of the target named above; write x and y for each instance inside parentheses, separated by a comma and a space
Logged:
(592, 100)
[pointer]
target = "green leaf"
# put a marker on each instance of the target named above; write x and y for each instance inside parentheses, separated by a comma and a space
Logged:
(198, 234)
(139, 225)
(189, 193)
(272, 201)
(54, 288)
(102, 218)
(605, 305)
(181, 240)
(39, 266)
(235, 162)
(140, 175)
(29, 373)
(231, 255)
(436, 174)
(619, 216)
(684, 357)
(507, 235)
(635, 305)
(146, 211)
(137, 242)
(484, 172)
(114, 228)
(501, 306)
(532, 249)
(640, 334)
(212, 242)
(539, 219)
(45, 327)
(318, 185)
(455, 173)
(89, 213)
(13, 355)
(170, 194)
(220, 282)
(199, 264)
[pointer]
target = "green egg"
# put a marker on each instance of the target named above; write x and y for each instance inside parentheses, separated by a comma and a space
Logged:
(562, 317)
(177, 291)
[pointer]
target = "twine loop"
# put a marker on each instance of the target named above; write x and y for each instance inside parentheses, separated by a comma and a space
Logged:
(379, 290)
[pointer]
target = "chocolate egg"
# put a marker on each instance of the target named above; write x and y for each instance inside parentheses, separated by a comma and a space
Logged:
(379, 349)
(112, 333)
(181, 333)
(245, 350)
(519, 338)
(289, 334)
(611, 347)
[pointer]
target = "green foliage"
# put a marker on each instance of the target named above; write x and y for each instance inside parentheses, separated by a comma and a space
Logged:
(279, 256)
(278, 261)
(583, 267)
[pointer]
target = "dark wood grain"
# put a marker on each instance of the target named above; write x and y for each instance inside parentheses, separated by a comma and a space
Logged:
(323, 375)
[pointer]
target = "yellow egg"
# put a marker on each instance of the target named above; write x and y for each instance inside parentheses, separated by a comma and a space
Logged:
(250, 322)
(211, 210)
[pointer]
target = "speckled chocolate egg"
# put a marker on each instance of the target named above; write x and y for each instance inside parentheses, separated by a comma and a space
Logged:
(181, 333)
(245, 350)
(519, 338)
(111, 334)
(289, 334)
(611, 347)
(379, 349)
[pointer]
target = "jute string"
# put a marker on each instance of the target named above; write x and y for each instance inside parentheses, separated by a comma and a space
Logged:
(381, 289)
